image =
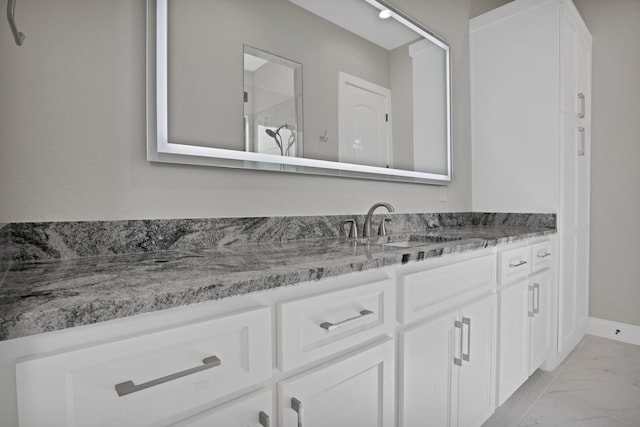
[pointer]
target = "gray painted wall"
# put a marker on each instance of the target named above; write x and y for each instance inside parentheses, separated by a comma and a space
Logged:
(72, 135)
(615, 169)
(72, 126)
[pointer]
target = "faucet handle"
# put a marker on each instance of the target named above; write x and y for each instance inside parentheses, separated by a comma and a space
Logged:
(382, 229)
(353, 230)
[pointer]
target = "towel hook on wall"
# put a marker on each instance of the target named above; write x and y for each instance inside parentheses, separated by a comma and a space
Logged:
(11, 10)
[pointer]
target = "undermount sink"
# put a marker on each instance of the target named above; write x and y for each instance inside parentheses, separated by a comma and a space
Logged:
(418, 240)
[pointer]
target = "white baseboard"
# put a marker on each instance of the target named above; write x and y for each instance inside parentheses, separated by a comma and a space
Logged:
(617, 331)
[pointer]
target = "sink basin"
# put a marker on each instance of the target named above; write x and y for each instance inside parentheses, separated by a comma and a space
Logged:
(418, 240)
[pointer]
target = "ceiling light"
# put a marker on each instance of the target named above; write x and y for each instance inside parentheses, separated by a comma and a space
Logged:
(385, 14)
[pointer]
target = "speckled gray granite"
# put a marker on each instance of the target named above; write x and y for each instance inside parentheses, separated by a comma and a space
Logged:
(66, 240)
(57, 292)
(4, 250)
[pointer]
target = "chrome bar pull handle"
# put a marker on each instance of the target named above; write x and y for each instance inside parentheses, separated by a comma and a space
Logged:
(531, 302)
(296, 405)
(582, 141)
(518, 264)
(544, 254)
(458, 325)
(583, 105)
(263, 419)
(129, 387)
(333, 326)
(536, 294)
(467, 357)
(11, 11)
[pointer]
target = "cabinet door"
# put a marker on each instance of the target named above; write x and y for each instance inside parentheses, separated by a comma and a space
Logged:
(476, 385)
(575, 50)
(540, 341)
(515, 305)
(253, 410)
(354, 391)
(575, 43)
(583, 170)
(428, 376)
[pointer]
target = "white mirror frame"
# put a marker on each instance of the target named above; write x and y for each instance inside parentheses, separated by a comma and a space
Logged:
(160, 149)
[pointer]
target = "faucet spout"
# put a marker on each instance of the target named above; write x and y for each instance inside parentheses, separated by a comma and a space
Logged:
(367, 222)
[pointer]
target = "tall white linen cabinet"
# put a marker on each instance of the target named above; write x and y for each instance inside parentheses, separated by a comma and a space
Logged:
(531, 131)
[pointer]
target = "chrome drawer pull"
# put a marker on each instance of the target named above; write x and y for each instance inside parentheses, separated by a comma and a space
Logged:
(129, 387)
(583, 105)
(518, 264)
(332, 326)
(467, 357)
(458, 325)
(533, 303)
(544, 255)
(296, 405)
(582, 141)
(263, 419)
(536, 305)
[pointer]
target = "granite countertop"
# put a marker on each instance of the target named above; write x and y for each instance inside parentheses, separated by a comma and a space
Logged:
(48, 295)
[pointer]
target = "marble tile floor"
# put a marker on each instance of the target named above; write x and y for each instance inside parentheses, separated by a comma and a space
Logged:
(598, 385)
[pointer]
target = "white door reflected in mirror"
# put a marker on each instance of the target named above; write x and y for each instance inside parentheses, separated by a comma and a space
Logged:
(364, 127)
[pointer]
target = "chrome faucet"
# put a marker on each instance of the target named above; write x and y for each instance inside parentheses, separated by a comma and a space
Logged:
(366, 232)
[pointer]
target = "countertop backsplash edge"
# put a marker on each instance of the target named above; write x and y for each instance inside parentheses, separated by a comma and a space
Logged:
(37, 241)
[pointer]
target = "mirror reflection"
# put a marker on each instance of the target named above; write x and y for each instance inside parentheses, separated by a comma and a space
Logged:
(272, 95)
(375, 98)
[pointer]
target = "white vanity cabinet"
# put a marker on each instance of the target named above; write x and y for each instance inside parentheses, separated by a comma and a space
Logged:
(231, 362)
(531, 132)
(542, 289)
(411, 345)
(447, 362)
(525, 312)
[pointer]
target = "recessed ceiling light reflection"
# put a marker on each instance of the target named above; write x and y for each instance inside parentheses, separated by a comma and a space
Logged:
(385, 14)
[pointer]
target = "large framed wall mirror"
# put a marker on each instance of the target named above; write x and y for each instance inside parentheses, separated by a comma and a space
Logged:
(352, 88)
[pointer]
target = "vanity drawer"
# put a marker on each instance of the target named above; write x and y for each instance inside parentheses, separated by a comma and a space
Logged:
(310, 328)
(514, 264)
(425, 293)
(542, 255)
(146, 379)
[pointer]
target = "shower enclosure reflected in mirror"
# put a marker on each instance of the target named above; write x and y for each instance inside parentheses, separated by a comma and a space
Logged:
(376, 91)
(272, 104)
